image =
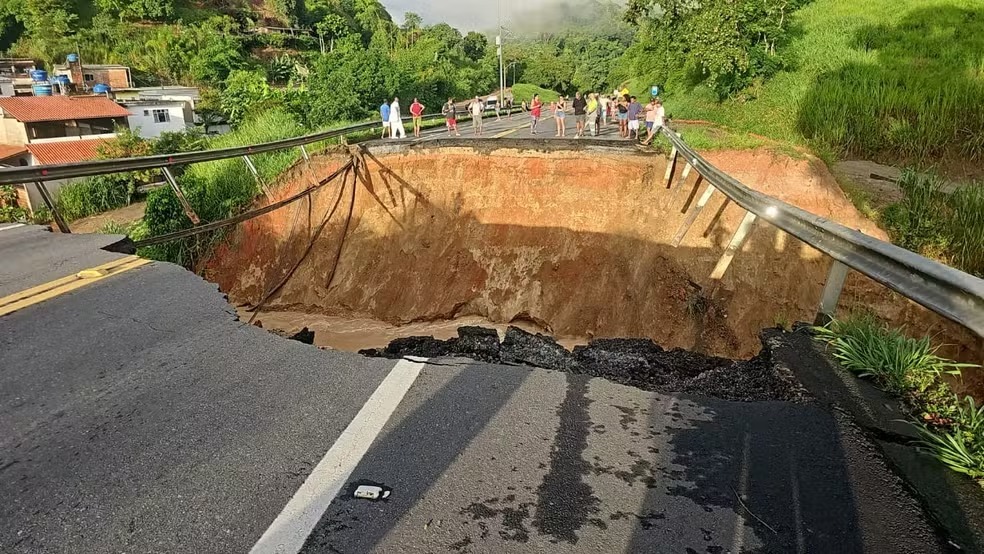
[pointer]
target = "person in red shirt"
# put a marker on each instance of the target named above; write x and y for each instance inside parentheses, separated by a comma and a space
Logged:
(417, 111)
(536, 106)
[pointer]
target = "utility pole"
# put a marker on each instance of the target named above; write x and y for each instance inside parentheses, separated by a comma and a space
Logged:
(502, 72)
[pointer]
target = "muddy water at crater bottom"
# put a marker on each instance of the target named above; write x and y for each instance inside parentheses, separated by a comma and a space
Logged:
(354, 334)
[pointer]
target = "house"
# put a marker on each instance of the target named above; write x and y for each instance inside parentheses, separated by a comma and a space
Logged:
(28, 119)
(150, 118)
(84, 77)
(39, 130)
(155, 110)
(18, 72)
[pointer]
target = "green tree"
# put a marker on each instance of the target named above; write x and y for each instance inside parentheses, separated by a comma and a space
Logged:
(475, 45)
(158, 10)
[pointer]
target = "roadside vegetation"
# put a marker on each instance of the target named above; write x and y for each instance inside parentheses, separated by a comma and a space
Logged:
(951, 428)
(947, 225)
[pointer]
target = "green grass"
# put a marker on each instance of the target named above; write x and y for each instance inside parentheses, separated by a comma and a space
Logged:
(889, 78)
(948, 226)
(953, 430)
(897, 363)
(94, 195)
(219, 189)
(702, 137)
(523, 91)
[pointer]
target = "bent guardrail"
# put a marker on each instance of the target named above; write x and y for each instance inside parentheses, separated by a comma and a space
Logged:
(949, 292)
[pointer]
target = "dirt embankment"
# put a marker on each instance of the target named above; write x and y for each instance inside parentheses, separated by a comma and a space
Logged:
(578, 242)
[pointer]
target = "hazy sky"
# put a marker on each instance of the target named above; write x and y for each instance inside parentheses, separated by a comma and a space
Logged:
(466, 15)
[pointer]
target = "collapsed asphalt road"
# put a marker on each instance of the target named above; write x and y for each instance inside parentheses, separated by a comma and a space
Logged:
(138, 414)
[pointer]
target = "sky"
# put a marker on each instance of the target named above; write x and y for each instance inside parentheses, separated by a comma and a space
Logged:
(465, 15)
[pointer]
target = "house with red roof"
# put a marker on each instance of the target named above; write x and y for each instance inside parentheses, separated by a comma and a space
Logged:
(40, 130)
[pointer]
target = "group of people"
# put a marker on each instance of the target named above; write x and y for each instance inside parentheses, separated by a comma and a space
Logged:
(393, 118)
(591, 111)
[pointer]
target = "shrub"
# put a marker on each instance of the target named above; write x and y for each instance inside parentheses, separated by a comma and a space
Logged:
(219, 189)
(897, 363)
(961, 447)
(95, 195)
(935, 223)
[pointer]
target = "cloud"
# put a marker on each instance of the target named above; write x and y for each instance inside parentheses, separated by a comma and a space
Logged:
(468, 15)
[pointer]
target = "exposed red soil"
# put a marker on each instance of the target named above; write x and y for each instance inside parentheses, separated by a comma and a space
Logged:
(577, 242)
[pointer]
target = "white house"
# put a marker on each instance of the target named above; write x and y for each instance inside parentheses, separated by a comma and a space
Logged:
(150, 118)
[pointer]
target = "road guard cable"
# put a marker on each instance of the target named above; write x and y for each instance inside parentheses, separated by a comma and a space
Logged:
(215, 225)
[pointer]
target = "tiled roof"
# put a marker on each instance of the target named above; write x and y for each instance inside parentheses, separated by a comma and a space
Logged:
(10, 150)
(66, 151)
(32, 109)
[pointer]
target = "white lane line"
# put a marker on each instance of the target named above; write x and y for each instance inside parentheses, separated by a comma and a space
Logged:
(291, 528)
(14, 226)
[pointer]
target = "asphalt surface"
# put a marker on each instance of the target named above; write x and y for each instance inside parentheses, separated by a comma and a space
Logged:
(137, 414)
(518, 127)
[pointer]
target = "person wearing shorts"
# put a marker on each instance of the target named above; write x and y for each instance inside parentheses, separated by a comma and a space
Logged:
(592, 115)
(450, 113)
(623, 117)
(654, 118)
(384, 112)
(417, 112)
(634, 109)
(560, 114)
(477, 110)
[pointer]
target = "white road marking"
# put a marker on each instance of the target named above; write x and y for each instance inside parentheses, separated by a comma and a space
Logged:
(291, 528)
(14, 226)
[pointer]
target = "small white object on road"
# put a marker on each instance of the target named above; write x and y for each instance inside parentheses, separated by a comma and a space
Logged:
(370, 492)
(287, 533)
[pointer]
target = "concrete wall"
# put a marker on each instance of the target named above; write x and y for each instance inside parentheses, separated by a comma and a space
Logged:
(142, 120)
(12, 131)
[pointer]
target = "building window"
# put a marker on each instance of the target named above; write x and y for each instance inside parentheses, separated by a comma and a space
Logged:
(146, 113)
(88, 77)
(162, 116)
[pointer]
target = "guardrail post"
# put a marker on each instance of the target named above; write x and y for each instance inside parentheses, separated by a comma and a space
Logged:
(686, 174)
(304, 153)
(256, 175)
(50, 203)
(704, 199)
(717, 217)
(741, 234)
(671, 166)
(693, 194)
(831, 293)
(181, 197)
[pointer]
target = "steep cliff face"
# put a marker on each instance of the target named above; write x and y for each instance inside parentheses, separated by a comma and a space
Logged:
(576, 242)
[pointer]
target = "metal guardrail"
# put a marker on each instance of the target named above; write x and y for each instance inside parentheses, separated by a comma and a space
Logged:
(74, 170)
(949, 292)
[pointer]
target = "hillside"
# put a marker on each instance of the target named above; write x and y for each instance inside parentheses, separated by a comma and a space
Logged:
(900, 81)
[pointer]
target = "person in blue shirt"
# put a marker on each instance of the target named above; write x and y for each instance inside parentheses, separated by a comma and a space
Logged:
(384, 112)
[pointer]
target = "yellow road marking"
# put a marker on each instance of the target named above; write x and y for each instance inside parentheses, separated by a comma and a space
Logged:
(47, 291)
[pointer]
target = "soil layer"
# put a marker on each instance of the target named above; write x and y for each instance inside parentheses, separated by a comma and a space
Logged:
(576, 241)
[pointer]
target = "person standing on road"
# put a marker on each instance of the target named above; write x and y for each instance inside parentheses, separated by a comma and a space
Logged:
(384, 112)
(477, 107)
(509, 107)
(417, 112)
(560, 114)
(535, 106)
(592, 115)
(580, 113)
(396, 120)
(450, 112)
(623, 116)
(634, 108)
(498, 108)
(655, 117)
(602, 112)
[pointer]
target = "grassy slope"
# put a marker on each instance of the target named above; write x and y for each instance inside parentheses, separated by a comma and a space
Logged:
(523, 91)
(825, 41)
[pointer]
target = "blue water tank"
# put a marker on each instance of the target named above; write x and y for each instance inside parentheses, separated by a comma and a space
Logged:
(38, 75)
(41, 89)
(101, 88)
(72, 58)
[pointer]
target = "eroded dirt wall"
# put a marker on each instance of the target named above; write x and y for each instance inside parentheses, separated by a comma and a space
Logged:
(575, 241)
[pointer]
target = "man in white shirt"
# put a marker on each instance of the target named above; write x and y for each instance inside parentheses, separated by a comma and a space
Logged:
(396, 120)
(477, 109)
